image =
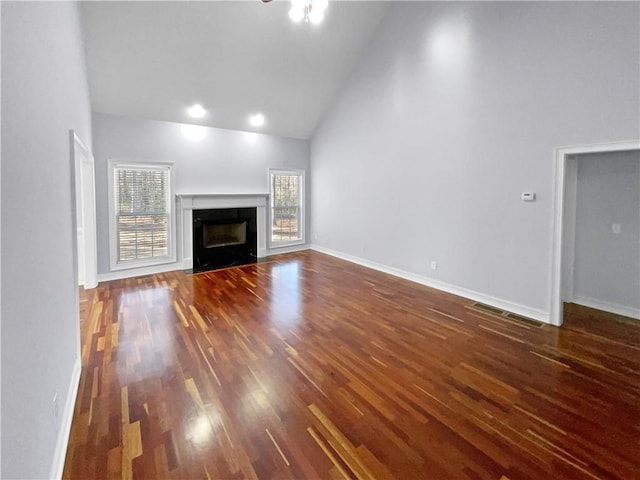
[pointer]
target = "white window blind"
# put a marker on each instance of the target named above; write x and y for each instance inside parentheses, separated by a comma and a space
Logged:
(287, 221)
(142, 196)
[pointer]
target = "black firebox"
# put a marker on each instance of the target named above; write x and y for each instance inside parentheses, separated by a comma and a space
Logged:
(224, 237)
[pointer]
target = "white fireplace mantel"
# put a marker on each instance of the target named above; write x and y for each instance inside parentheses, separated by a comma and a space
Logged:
(188, 202)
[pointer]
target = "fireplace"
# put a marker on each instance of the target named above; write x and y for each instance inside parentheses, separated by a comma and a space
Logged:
(224, 237)
(224, 234)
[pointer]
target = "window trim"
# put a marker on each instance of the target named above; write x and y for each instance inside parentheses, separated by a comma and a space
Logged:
(116, 265)
(287, 243)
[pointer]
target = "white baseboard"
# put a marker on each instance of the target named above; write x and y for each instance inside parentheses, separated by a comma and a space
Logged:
(607, 306)
(281, 250)
(62, 442)
(138, 272)
(517, 308)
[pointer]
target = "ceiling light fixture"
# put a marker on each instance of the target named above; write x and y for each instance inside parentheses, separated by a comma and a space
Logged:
(196, 111)
(257, 120)
(309, 10)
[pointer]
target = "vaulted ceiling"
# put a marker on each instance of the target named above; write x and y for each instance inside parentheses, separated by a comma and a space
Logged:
(153, 60)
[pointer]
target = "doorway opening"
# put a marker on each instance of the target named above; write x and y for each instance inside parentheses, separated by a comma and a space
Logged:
(83, 190)
(564, 230)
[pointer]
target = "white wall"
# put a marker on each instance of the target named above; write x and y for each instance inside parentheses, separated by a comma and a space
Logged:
(44, 94)
(452, 112)
(0, 249)
(225, 161)
(607, 265)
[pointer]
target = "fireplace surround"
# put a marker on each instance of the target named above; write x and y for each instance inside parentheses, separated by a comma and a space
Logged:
(188, 203)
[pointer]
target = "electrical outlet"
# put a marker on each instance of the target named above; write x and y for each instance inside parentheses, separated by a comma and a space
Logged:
(434, 265)
(615, 228)
(56, 408)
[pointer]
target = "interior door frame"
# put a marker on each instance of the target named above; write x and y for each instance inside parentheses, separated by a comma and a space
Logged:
(83, 184)
(564, 201)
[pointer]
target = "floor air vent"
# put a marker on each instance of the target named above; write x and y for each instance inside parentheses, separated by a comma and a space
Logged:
(507, 315)
(488, 308)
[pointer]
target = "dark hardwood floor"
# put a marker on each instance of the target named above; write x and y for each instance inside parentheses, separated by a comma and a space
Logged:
(311, 367)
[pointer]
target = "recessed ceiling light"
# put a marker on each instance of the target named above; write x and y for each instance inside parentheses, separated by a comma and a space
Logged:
(257, 120)
(196, 111)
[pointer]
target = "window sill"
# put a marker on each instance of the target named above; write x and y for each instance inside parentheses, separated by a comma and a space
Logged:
(141, 264)
(286, 244)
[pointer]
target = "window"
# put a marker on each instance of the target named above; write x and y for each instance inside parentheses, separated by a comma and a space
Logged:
(287, 207)
(141, 214)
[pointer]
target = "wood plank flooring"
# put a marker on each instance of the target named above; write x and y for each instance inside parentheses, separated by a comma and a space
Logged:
(311, 367)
